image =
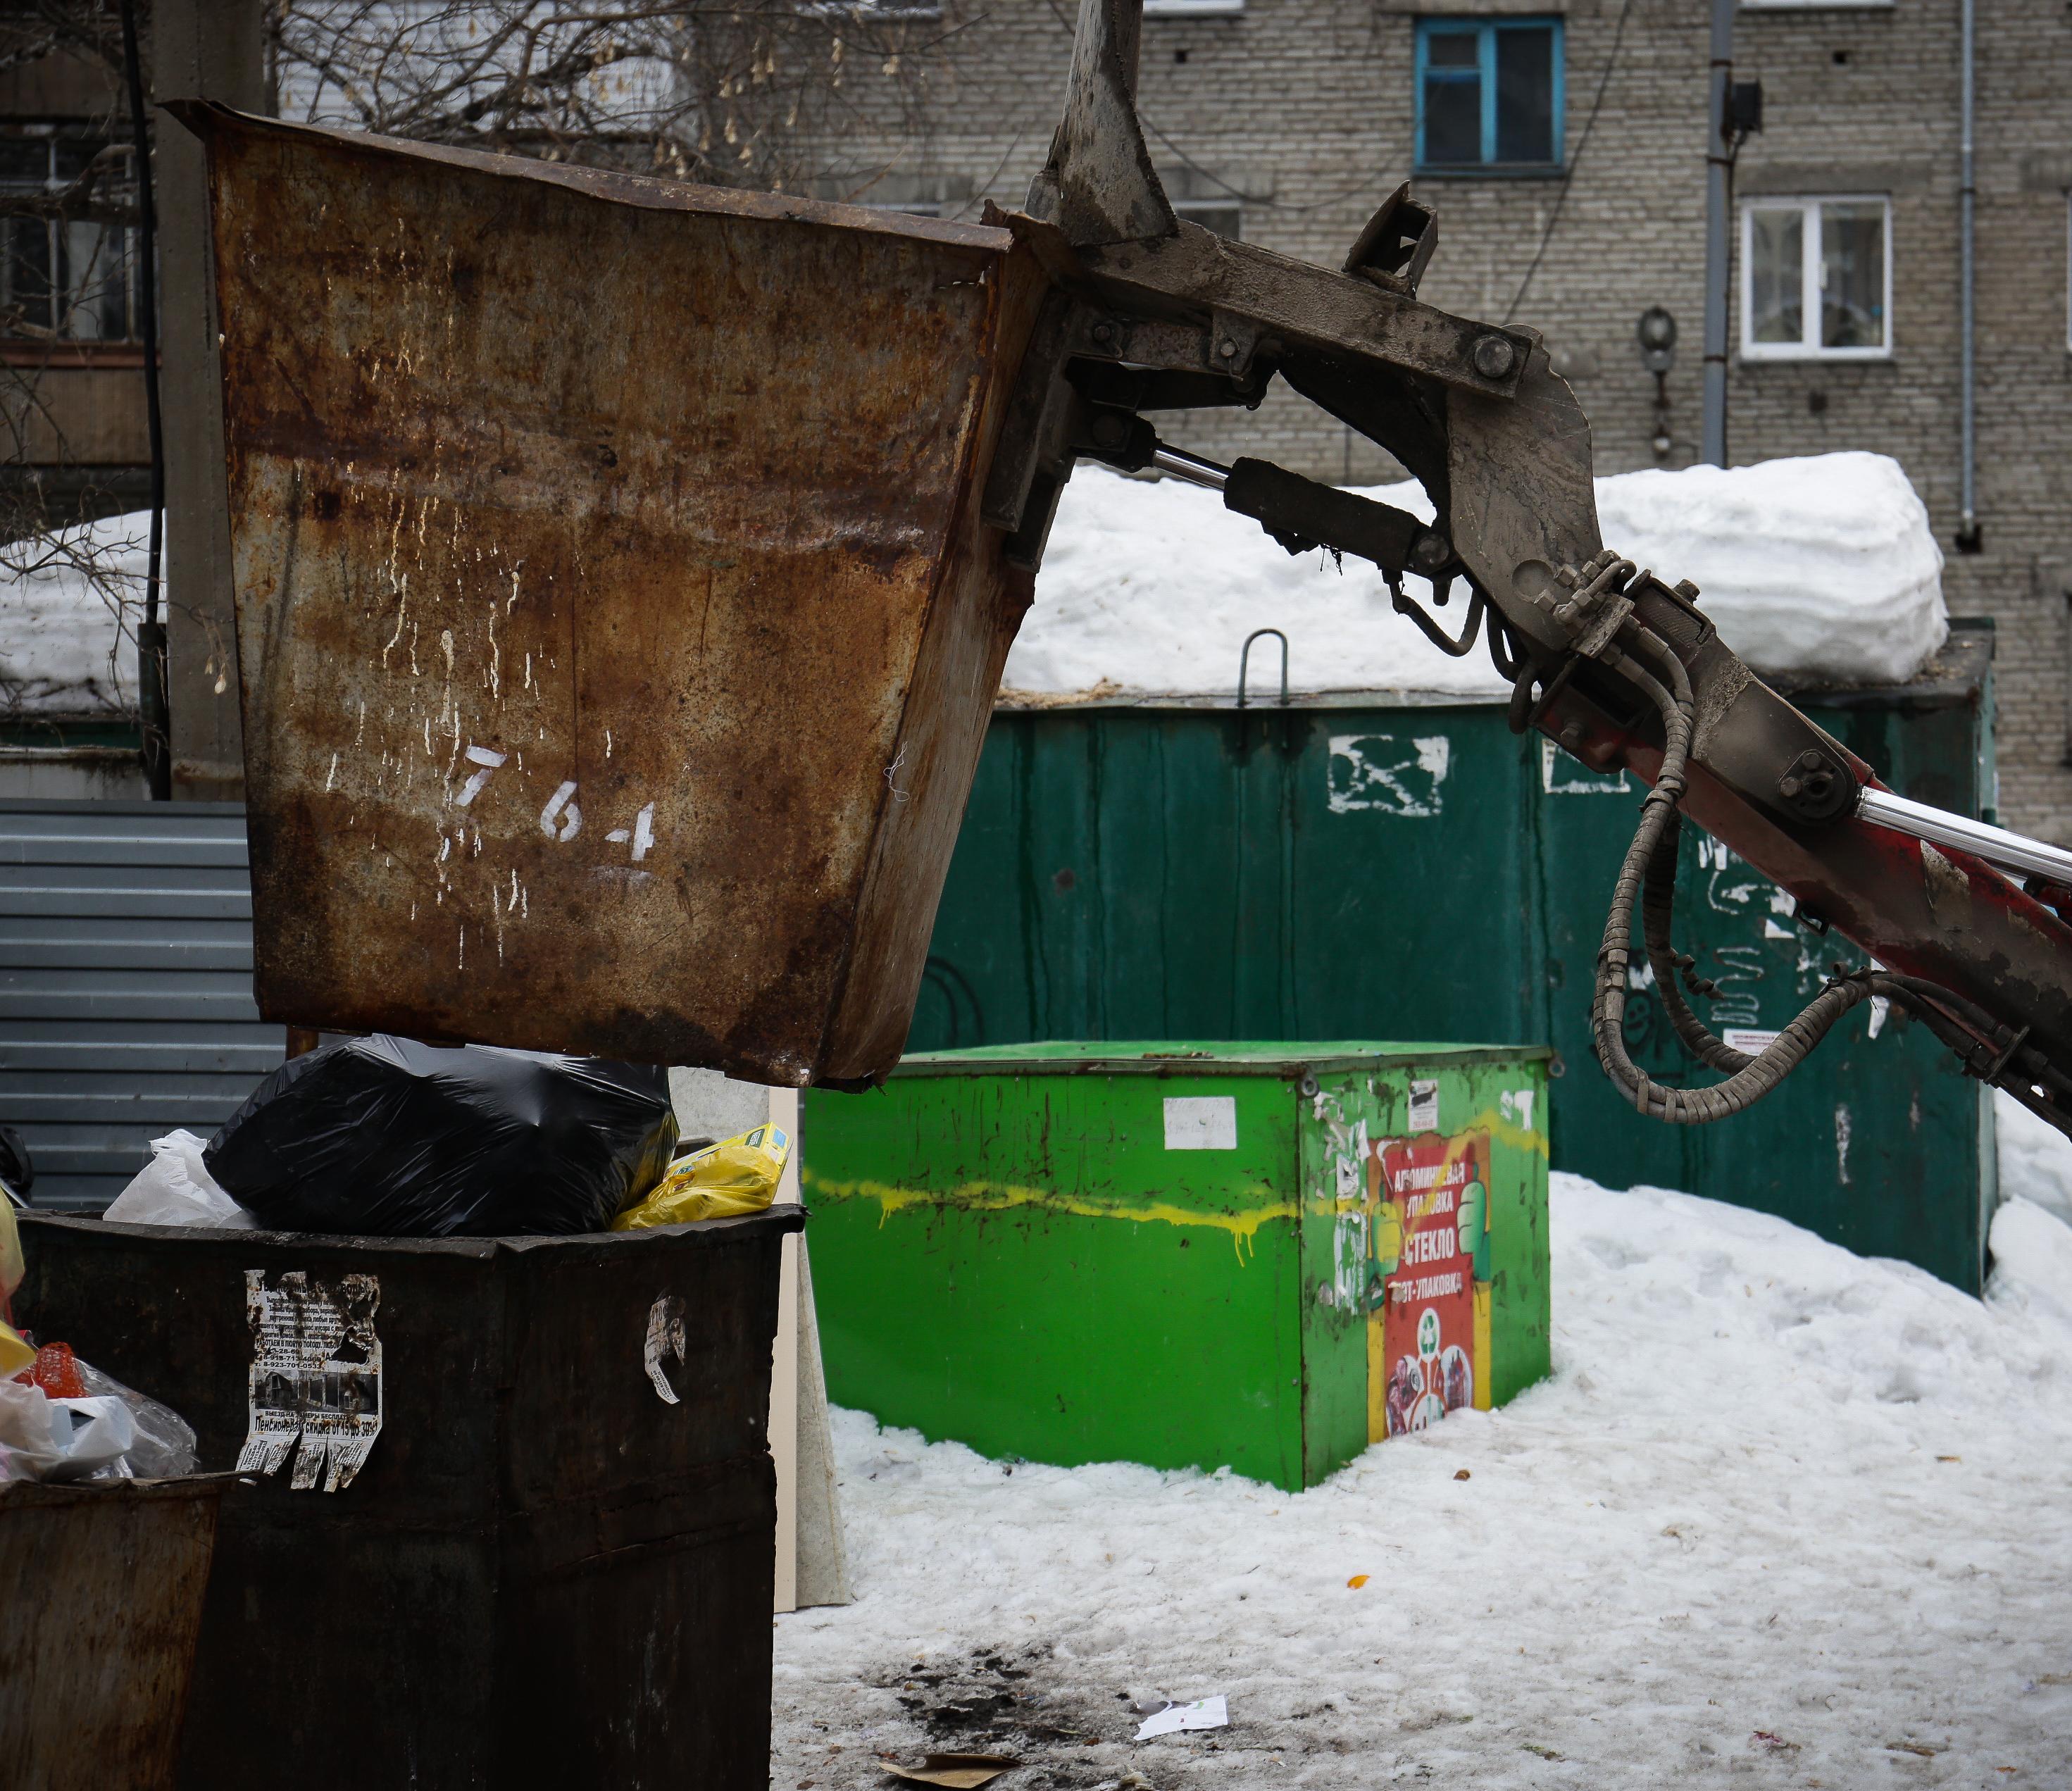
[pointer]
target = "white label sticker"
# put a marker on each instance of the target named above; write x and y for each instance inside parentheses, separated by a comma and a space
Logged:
(1424, 1106)
(1747, 1040)
(316, 1377)
(1200, 1122)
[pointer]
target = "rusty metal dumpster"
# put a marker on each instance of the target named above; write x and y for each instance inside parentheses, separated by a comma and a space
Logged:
(616, 626)
(100, 1601)
(549, 1554)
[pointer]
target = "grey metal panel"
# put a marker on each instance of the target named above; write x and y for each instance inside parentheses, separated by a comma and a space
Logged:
(126, 985)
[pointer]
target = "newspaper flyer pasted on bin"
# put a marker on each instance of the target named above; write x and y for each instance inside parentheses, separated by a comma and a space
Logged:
(316, 1377)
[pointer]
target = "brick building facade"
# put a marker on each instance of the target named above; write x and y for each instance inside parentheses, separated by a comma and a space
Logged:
(1289, 119)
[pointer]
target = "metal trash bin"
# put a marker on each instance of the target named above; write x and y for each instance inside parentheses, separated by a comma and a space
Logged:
(549, 1558)
(100, 1601)
(642, 657)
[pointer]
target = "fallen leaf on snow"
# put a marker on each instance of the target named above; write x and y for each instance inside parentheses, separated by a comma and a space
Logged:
(1460, 1473)
(959, 1771)
(1776, 1744)
(1356, 1581)
(1920, 1747)
(1545, 1753)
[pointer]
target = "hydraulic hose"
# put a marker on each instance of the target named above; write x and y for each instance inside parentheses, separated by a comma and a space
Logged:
(1757, 1076)
(1989, 1049)
(1656, 905)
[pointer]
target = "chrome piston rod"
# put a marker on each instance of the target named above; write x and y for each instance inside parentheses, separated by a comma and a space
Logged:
(1189, 467)
(2012, 852)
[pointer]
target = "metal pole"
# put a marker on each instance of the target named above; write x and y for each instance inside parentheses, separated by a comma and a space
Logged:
(1967, 193)
(1718, 258)
(153, 722)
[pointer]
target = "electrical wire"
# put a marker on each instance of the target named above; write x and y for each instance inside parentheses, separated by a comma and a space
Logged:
(1264, 201)
(1575, 161)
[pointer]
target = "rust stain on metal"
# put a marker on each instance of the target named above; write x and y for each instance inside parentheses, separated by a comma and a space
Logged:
(616, 626)
(100, 1607)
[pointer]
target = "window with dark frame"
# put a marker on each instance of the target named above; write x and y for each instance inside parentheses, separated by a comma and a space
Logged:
(1489, 95)
(1224, 216)
(63, 279)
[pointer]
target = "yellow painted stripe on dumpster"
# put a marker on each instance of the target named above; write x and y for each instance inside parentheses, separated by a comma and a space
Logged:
(1506, 1132)
(993, 1196)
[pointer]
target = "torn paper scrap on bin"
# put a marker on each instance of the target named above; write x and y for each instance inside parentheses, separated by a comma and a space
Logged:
(1204, 1713)
(316, 1377)
(665, 1337)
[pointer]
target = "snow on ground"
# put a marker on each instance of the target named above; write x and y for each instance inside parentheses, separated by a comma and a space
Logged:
(64, 648)
(1782, 1515)
(1818, 567)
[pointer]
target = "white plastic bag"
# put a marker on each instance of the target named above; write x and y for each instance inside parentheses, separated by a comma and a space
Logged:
(59, 1439)
(176, 1188)
(163, 1447)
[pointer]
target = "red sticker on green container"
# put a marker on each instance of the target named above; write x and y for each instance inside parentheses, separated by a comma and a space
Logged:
(1431, 1204)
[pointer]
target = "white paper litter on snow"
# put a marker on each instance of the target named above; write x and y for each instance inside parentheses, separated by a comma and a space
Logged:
(67, 647)
(1204, 1713)
(1774, 1489)
(1823, 566)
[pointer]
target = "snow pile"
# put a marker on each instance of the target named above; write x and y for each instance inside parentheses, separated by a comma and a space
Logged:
(1822, 566)
(1153, 585)
(2035, 1157)
(1781, 1509)
(68, 603)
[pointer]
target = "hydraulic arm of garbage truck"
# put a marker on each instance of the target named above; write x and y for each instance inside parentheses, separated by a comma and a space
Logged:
(1151, 313)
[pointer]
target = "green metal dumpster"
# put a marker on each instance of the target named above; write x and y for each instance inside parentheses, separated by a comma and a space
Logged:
(510, 1517)
(1130, 870)
(1261, 1256)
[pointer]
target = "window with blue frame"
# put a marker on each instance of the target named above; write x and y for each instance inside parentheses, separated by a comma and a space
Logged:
(1489, 94)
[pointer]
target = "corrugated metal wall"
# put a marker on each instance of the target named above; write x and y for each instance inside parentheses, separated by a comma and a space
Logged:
(126, 983)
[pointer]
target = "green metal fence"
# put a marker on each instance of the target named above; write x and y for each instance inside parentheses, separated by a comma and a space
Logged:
(1330, 873)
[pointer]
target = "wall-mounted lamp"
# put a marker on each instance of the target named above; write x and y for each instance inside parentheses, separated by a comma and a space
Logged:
(1656, 334)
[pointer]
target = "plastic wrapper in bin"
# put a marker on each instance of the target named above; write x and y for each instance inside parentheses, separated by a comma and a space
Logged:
(736, 1175)
(63, 1419)
(176, 1188)
(384, 1137)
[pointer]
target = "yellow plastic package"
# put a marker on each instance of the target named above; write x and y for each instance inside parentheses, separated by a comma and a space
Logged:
(736, 1175)
(15, 1355)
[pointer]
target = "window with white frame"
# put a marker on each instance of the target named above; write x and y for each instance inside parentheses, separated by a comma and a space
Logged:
(1816, 278)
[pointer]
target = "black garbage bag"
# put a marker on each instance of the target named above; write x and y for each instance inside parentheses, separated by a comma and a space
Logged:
(391, 1138)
